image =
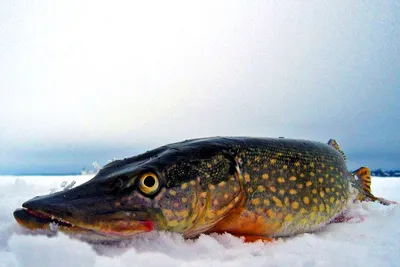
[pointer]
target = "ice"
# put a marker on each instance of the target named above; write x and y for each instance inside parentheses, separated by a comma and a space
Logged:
(373, 241)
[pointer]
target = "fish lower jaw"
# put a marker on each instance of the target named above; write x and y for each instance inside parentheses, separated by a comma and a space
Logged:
(36, 220)
(33, 219)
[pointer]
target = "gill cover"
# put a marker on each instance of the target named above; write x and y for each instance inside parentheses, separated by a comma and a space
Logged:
(211, 189)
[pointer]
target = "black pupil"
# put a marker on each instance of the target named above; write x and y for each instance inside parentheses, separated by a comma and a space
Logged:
(149, 181)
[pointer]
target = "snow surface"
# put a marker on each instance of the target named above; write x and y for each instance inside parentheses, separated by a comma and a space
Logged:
(373, 241)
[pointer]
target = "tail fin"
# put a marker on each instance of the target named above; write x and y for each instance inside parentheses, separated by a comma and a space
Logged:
(364, 177)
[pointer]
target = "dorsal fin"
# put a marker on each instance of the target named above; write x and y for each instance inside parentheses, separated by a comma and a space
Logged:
(334, 144)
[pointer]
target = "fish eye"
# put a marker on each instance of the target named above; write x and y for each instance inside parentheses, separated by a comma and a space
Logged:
(148, 183)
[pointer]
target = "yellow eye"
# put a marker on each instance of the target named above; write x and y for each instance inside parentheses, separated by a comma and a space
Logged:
(148, 183)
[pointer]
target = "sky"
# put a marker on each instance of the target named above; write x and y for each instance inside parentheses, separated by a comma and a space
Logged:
(85, 81)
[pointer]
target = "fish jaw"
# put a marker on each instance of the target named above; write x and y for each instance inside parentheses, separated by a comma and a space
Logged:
(35, 220)
(93, 214)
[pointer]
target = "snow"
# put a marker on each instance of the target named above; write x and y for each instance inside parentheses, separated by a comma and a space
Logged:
(372, 238)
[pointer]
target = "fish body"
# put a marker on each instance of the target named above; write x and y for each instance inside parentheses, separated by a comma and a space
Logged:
(252, 187)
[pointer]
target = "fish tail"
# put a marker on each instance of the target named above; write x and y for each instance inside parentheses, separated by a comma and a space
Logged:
(364, 177)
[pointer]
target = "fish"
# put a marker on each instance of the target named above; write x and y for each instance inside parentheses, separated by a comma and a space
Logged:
(257, 188)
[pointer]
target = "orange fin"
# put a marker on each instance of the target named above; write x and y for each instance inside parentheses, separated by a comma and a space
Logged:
(254, 238)
(334, 144)
(364, 176)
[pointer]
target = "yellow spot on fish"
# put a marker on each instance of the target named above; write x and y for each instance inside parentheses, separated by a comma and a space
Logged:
(281, 192)
(300, 186)
(313, 215)
(260, 188)
(321, 207)
(235, 189)
(192, 182)
(303, 211)
(314, 191)
(323, 165)
(176, 205)
(203, 194)
(215, 202)
(292, 178)
(236, 199)
(266, 202)
(272, 161)
(292, 191)
(297, 164)
(286, 201)
(184, 185)
(315, 200)
(272, 188)
(306, 200)
(184, 199)
(277, 201)
(250, 190)
(312, 164)
(222, 184)
(172, 192)
(321, 193)
(220, 212)
(246, 177)
(255, 201)
(265, 176)
(183, 213)
(328, 208)
(289, 217)
(302, 175)
(226, 195)
(173, 223)
(320, 180)
(211, 186)
(332, 180)
(332, 200)
(284, 167)
(168, 213)
(333, 189)
(295, 205)
(281, 180)
(271, 213)
(230, 205)
(312, 174)
(303, 221)
(314, 208)
(308, 183)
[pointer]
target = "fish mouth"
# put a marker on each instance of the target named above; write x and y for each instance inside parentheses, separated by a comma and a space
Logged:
(32, 219)
(102, 230)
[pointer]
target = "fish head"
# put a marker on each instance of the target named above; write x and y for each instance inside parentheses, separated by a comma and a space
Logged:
(180, 190)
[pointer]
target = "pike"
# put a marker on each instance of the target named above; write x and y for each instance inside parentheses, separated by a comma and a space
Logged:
(259, 188)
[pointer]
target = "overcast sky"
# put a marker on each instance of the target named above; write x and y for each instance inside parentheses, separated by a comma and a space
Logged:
(88, 81)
